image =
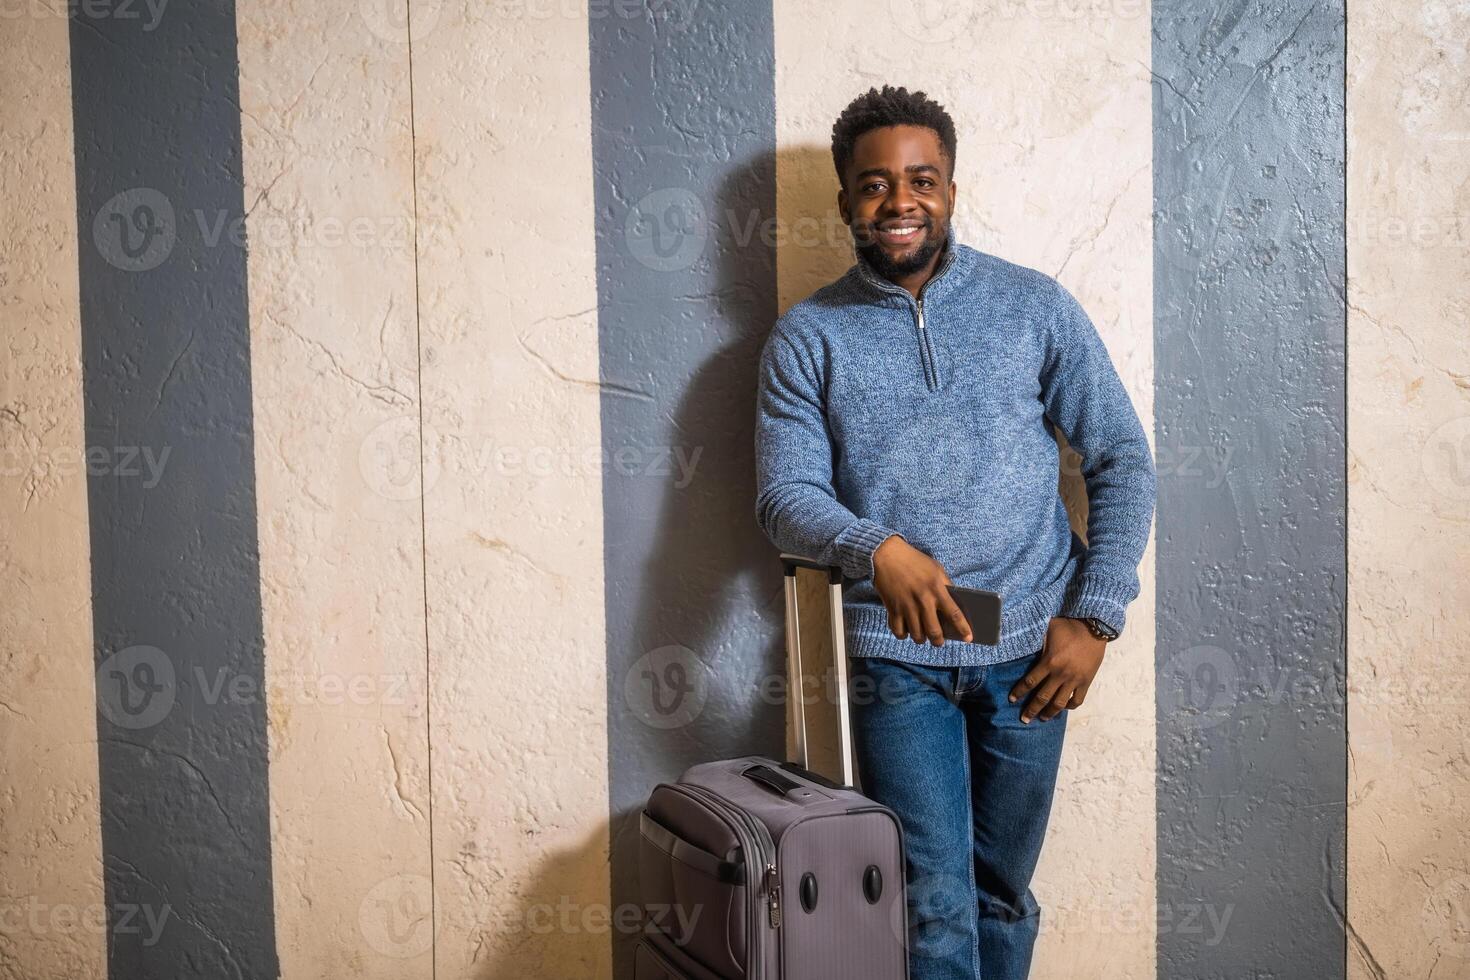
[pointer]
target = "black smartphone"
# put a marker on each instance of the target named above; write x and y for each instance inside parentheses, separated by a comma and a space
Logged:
(981, 608)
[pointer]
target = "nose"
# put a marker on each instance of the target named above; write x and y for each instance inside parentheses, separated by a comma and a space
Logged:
(900, 200)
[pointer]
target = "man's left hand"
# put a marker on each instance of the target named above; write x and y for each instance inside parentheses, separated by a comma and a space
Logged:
(1069, 660)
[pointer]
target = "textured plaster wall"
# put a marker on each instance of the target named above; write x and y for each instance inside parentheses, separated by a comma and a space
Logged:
(329, 192)
(50, 838)
(1409, 489)
(683, 144)
(513, 499)
(1249, 428)
(506, 619)
(1054, 172)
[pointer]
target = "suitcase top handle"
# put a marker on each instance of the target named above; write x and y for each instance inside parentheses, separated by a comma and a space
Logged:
(783, 785)
(792, 562)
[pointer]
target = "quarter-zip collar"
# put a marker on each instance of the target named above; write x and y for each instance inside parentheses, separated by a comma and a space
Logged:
(871, 276)
(928, 360)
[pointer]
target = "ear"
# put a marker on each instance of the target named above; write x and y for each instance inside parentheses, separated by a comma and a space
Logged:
(842, 206)
(952, 188)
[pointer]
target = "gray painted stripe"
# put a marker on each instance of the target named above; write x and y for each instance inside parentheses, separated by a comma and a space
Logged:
(1250, 347)
(683, 143)
(176, 605)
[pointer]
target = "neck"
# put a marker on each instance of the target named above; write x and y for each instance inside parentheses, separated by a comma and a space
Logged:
(915, 281)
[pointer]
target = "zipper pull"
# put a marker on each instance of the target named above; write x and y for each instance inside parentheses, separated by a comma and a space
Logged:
(774, 889)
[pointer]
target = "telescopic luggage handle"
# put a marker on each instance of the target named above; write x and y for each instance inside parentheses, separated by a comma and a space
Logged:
(790, 563)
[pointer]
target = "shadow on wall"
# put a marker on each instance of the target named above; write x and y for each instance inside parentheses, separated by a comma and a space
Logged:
(708, 580)
(703, 577)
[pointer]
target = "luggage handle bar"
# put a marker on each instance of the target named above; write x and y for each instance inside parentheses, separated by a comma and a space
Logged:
(790, 563)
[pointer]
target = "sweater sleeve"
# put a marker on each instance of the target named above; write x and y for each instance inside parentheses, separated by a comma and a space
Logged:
(1086, 400)
(796, 505)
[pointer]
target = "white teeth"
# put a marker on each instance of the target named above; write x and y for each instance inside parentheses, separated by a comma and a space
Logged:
(903, 232)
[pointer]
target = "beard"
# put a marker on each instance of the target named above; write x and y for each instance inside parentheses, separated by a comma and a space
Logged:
(889, 268)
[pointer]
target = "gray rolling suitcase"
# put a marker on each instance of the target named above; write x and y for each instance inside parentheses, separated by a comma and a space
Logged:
(754, 869)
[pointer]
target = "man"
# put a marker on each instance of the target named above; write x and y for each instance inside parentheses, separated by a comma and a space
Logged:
(905, 432)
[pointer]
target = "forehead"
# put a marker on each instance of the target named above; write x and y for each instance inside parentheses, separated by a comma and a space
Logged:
(896, 147)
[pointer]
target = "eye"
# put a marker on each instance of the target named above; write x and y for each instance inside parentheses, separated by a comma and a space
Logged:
(874, 187)
(924, 182)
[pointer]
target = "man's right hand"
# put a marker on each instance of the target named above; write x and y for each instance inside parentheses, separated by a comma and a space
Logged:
(914, 590)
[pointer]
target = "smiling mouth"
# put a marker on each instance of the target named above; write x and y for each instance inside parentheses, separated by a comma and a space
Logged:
(897, 237)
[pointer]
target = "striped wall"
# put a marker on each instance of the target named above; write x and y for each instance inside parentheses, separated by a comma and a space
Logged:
(1249, 436)
(53, 909)
(328, 151)
(512, 511)
(1019, 195)
(1408, 294)
(176, 589)
(686, 290)
(377, 414)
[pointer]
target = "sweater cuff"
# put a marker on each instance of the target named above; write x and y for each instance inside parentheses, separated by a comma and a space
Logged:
(1090, 597)
(856, 544)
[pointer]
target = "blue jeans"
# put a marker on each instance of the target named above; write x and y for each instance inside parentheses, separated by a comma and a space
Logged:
(945, 750)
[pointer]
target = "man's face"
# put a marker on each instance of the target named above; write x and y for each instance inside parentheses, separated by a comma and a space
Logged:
(897, 198)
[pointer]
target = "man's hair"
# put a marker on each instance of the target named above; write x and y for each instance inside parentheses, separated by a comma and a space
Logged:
(888, 107)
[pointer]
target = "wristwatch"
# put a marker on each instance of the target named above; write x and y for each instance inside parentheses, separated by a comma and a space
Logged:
(1100, 629)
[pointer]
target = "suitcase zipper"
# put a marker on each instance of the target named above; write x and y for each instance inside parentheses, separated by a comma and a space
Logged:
(773, 888)
(765, 856)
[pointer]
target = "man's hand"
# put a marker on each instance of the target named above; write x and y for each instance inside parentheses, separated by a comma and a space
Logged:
(1069, 660)
(913, 589)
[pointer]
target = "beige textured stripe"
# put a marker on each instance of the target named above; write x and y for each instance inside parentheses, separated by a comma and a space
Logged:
(324, 94)
(1052, 104)
(514, 501)
(1409, 490)
(52, 917)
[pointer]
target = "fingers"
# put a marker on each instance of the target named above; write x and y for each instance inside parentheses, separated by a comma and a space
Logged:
(908, 624)
(931, 622)
(1051, 695)
(921, 614)
(896, 623)
(1033, 677)
(1041, 699)
(914, 617)
(1055, 704)
(955, 615)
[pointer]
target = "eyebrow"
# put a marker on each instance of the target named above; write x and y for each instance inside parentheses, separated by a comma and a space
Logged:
(912, 168)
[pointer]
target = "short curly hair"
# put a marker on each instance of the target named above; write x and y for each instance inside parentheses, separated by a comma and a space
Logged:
(888, 107)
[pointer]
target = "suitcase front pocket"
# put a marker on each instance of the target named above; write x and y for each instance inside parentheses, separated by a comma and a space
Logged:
(655, 960)
(694, 897)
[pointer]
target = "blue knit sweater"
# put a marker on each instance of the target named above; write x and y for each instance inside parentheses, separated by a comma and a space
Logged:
(880, 415)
